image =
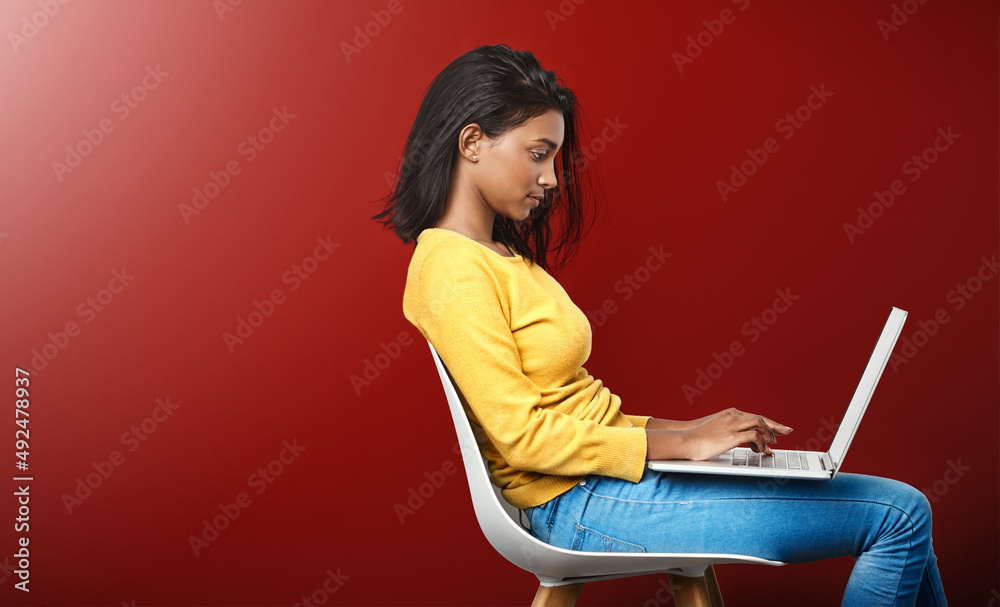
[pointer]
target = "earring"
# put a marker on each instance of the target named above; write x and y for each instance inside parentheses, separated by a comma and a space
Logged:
(475, 157)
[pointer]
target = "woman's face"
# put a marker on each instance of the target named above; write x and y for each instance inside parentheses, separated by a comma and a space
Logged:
(515, 170)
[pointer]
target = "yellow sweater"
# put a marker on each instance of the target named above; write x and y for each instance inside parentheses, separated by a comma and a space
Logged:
(515, 344)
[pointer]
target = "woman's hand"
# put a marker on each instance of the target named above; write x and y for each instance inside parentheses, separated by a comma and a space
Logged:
(709, 436)
(724, 430)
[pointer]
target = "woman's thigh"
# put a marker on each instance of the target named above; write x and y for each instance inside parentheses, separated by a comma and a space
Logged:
(782, 519)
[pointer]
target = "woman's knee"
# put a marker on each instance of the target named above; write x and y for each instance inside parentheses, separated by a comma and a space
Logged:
(913, 509)
(915, 503)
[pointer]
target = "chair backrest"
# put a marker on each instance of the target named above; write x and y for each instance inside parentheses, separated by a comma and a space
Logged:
(496, 517)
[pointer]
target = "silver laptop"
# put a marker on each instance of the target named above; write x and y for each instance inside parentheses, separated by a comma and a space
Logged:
(804, 464)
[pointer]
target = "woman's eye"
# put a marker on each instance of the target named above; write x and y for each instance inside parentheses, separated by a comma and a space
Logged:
(539, 156)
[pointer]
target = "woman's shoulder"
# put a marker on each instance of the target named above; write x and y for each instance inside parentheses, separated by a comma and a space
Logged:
(443, 250)
(438, 242)
(446, 264)
(445, 256)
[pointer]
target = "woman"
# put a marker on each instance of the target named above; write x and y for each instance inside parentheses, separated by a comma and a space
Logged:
(483, 196)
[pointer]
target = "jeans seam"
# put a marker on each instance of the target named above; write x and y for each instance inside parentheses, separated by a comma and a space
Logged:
(723, 499)
(552, 517)
(909, 520)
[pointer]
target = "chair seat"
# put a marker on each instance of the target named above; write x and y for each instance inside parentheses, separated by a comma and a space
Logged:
(557, 566)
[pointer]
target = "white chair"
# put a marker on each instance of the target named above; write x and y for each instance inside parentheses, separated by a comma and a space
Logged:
(561, 572)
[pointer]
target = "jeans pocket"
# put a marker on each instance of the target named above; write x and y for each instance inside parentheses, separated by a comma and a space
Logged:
(589, 540)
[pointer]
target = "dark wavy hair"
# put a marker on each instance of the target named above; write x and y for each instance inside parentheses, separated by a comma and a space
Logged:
(498, 88)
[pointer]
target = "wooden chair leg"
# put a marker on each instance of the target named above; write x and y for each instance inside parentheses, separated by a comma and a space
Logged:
(557, 596)
(714, 594)
(696, 591)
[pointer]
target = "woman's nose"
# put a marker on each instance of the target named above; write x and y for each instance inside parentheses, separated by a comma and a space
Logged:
(548, 179)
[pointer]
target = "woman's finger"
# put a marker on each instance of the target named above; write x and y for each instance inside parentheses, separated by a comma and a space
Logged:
(757, 424)
(779, 428)
(767, 431)
(755, 442)
(769, 427)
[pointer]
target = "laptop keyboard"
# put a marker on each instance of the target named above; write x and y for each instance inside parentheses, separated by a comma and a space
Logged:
(786, 460)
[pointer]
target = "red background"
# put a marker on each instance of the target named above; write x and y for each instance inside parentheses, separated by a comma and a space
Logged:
(332, 506)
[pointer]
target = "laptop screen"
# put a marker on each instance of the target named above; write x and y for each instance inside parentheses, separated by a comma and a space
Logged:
(866, 387)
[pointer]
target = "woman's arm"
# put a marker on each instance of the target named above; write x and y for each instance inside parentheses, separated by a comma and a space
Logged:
(711, 435)
(669, 424)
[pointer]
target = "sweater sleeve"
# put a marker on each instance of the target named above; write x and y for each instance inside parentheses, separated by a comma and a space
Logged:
(462, 309)
(639, 421)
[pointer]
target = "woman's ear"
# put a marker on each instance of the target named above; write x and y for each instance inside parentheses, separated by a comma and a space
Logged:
(470, 141)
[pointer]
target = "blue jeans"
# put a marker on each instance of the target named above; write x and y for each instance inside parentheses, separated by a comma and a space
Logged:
(884, 523)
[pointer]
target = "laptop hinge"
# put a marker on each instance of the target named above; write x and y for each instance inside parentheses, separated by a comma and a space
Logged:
(826, 462)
